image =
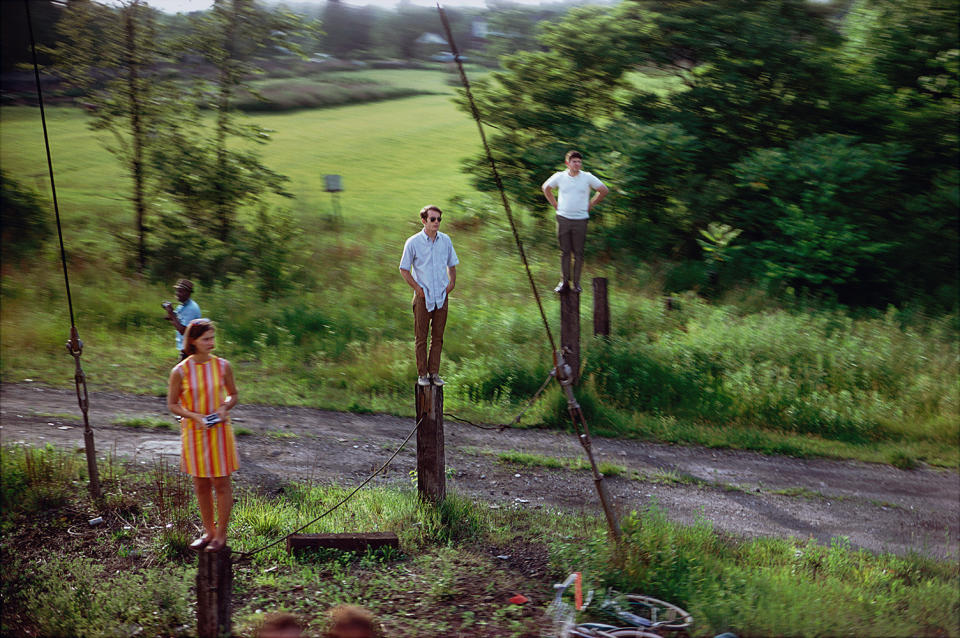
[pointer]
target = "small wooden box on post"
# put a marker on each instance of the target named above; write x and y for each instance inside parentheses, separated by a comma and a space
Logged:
(431, 475)
(214, 590)
(570, 330)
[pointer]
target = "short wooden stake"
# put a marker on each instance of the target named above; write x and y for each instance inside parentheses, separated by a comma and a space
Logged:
(570, 330)
(214, 590)
(601, 308)
(360, 542)
(431, 476)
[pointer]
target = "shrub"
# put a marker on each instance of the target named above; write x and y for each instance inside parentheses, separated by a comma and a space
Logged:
(38, 479)
(73, 598)
(23, 220)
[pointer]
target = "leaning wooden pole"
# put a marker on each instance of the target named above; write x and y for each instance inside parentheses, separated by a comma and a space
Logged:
(575, 413)
(564, 376)
(214, 591)
(431, 472)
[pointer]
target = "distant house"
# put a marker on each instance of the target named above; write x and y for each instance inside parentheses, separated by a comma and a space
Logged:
(430, 45)
(478, 29)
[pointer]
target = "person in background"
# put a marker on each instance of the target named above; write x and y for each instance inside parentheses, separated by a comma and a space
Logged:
(202, 391)
(429, 266)
(573, 204)
(280, 625)
(187, 311)
(350, 621)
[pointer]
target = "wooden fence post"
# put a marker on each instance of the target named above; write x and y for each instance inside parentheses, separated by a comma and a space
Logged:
(601, 308)
(214, 590)
(570, 330)
(431, 475)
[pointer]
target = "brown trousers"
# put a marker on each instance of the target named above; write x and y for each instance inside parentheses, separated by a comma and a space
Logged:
(424, 321)
(571, 235)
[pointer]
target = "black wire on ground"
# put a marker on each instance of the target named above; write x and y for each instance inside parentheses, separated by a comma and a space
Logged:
(516, 419)
(249, 554)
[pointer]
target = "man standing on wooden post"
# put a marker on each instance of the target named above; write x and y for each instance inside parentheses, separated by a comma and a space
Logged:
(429, 266)
(573, 206)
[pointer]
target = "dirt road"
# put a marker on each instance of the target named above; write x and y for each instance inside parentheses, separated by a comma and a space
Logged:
(877, 507)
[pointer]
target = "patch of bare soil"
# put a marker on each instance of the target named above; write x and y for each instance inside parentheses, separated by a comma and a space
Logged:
(877, 507)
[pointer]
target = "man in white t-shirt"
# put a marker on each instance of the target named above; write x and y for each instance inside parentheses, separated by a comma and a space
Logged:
(573, 205)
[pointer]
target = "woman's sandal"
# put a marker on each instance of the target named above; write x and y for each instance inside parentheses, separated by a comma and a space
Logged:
(215, 545)
(199, 544)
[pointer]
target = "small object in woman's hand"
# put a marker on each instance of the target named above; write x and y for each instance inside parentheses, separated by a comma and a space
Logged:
(211, 419)
(166, 304)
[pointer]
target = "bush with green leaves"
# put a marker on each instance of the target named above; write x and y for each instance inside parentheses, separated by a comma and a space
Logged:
(821, 213)
(828, 135)
(24, 220)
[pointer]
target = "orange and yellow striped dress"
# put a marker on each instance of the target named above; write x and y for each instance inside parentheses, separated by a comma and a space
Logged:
(207, 451)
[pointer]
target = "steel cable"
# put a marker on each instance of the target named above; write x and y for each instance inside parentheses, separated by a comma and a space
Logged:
(496, 173)
(249, 554)
(74, 344)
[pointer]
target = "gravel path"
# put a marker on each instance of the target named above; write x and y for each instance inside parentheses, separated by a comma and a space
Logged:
(877, 507)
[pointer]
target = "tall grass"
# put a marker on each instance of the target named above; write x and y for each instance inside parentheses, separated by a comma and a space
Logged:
(751, 587)
(770, 587)
(746, 373)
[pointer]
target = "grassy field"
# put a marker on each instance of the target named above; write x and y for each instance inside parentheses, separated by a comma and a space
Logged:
(743, 371)
(65, 578)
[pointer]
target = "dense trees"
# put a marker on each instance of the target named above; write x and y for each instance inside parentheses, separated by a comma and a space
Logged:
(829, 140)
(116, 57)
(826, 133)
(113, 57)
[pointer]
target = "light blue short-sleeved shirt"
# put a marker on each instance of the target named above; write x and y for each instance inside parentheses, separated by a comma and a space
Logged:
(428, 260)
(186, 313)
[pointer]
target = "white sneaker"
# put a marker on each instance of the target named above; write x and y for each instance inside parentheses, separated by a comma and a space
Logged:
(436, 379)
(424, 380)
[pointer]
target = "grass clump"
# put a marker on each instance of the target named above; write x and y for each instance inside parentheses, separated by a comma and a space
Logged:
(151, 423)
(69, 601)
(304, 93)
(38, 479)
(770, 586)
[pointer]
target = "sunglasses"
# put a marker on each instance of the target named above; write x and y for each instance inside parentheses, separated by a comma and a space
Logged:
(434, 219)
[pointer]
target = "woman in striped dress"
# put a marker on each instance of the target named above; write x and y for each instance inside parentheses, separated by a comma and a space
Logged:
(202, 386)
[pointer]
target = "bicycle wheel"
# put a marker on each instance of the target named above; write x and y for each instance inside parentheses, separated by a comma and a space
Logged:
(662, 615)
(581, 631)
(632, 632)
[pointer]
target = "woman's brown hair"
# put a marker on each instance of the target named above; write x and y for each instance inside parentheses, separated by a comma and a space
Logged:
(194, 330)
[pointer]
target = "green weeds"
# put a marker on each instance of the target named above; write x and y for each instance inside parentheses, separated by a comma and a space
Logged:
(38, 479)
(67, 599)
(770, 586)
(132, 573)
(152, 423)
